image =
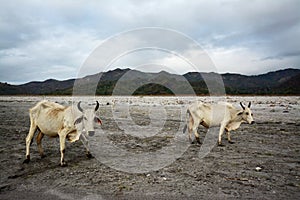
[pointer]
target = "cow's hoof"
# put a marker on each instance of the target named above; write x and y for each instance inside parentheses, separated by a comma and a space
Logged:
(89, 155)
(27, 159)
(231, 142)
(43, 156)
(198, 140)
(221, 145)
(63, 164)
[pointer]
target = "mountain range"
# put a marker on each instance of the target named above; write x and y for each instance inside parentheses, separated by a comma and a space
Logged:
(128, 82)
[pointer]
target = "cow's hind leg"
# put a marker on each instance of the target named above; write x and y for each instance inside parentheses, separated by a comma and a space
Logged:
(195, 130)
(190, 128)
(39, 143)
(29, 137)
(85, 142)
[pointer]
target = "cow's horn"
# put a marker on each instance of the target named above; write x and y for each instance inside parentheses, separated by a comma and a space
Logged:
(249, 104)
(242, 105)
(97, 106)
(78, 106)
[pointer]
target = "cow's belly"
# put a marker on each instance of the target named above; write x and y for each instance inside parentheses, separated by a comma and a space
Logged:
(208, 123)
(212, 121)
(214, 124)
(49, 129)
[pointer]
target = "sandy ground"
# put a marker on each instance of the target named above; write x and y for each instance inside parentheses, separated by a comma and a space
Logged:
(263, 163)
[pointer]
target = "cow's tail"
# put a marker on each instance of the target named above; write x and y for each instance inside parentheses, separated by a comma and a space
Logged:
(186, 121)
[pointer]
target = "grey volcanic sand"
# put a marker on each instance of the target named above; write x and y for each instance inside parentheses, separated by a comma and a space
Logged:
(264, 161)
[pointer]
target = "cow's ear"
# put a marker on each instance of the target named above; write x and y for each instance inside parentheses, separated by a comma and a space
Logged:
(78, 120)
(240, 113)
(97, 120)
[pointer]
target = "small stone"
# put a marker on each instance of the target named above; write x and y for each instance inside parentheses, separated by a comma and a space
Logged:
(258, 169)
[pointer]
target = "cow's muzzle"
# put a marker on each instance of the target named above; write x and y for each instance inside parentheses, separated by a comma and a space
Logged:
(253, 122)
(91, 133)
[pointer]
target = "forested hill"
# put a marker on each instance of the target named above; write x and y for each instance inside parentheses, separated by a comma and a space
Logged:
(282, 82)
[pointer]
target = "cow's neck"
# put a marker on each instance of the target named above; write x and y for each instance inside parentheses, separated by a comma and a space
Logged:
(237, 117)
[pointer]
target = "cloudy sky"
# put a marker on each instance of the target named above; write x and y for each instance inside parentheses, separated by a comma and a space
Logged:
(54, 38)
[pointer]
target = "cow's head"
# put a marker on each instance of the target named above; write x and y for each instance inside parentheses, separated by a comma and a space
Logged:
(88, 119)
(246, 113)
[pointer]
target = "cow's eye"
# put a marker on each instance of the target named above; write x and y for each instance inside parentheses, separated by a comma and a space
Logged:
(251, 114)
(247, 113)
(79, 120)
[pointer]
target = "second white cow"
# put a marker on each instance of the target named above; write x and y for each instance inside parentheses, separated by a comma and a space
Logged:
(222, 114)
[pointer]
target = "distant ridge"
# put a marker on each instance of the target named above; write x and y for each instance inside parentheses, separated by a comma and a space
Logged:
(281, 82)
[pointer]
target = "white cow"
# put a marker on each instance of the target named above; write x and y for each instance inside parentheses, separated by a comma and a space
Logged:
(53, 119)
(221, 114)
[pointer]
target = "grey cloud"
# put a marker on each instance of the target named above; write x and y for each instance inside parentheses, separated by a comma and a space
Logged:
(63, 33)
(282, 56)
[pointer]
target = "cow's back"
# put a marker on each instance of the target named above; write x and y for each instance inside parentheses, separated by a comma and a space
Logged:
(211, 114)
(199, 110)
(48, 117)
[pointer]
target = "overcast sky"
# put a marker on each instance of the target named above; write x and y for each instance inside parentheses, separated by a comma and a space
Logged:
(53, 39)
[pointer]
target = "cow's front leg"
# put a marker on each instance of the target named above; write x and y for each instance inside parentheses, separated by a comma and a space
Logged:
(85, 143)
(62, 140)
(228, 137)
(197, 137)
(220, 135)
(29, 138)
